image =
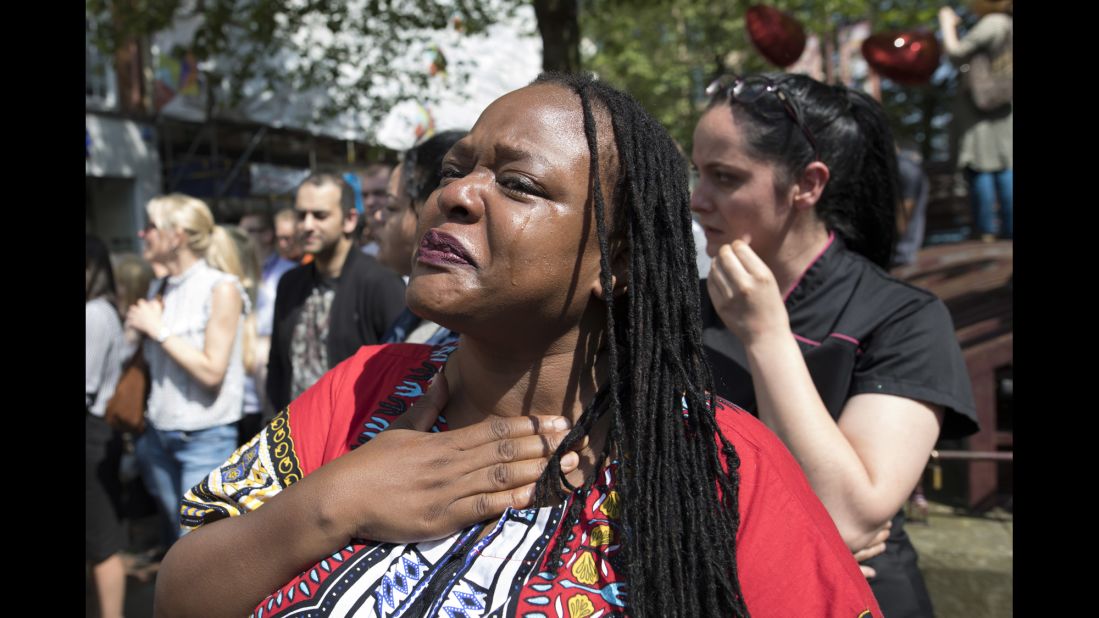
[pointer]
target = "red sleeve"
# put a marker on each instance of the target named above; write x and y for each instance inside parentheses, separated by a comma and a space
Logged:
(791, 560)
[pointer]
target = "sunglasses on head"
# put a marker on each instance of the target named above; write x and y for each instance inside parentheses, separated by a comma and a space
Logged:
(748, 90)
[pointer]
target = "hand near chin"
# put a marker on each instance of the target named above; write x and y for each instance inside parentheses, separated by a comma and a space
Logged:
(745, 294)
(409, 484)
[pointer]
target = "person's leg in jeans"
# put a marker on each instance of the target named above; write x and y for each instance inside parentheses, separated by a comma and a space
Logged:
(982, 195)
(202, 452)
(1004, 189)
(160, 471)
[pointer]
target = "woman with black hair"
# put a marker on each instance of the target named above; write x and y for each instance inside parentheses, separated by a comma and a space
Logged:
(559, 245)
(855, 371)
(104, 353)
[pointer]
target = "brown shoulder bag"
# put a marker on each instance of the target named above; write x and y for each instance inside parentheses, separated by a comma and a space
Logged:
(126, 409)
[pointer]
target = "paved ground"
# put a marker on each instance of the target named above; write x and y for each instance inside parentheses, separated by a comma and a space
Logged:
(967, 562)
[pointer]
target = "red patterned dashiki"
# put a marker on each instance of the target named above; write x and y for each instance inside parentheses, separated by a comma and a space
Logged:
(505, 573)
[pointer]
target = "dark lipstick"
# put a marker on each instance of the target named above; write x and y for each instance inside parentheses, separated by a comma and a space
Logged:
(440, 248)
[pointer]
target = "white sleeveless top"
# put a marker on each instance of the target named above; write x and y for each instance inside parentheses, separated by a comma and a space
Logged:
(178, 402)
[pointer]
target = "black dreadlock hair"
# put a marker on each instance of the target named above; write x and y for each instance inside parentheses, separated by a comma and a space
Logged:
(678, 504)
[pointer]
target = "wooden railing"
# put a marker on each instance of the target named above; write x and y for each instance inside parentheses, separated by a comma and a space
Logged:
(974, 279)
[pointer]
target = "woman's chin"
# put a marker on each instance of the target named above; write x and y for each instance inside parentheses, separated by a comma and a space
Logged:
(433, 298)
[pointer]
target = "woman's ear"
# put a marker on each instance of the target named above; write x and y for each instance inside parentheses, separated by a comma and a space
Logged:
(810, 185)
(620, 270)
(177, 237)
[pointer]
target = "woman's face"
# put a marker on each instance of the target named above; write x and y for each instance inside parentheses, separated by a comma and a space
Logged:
(158, 246)
(736, 195)
(397, 235)
(506, 246)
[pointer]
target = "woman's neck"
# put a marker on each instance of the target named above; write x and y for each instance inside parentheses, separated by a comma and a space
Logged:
(485, 381)
(183, 260)
(562, 380)
(801, 247)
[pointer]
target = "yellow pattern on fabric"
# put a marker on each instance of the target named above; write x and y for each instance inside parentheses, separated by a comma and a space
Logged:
(580, 606)
(237, 493)
(601, 535)
(611, 507)
(283, 452)
(584, 569)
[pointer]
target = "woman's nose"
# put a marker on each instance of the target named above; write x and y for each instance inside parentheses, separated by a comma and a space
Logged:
(462, 199)
(698, 199)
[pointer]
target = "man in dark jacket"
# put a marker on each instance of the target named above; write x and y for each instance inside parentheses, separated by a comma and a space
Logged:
(327, 309)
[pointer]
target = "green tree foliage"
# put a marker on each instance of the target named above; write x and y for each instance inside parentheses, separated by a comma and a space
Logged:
(247, 38)
(662, 51)
(665, 52)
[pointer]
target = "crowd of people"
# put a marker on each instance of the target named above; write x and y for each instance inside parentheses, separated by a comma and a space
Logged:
(491, 378)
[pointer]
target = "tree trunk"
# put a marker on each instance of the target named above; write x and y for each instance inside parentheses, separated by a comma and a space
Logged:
(129, 73)
(560, 29)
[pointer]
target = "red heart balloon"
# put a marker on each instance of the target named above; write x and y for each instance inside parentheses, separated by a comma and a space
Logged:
(904, 57)
(778, 36)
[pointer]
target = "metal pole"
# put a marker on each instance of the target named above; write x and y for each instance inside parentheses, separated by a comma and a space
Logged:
(187, 158)
(240, 162)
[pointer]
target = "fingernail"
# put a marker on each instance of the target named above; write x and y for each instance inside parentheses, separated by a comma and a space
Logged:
(561, 423)
(570, 460)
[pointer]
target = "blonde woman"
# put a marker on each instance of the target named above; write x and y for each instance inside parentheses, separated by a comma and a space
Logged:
(193, 343)
(253, 352)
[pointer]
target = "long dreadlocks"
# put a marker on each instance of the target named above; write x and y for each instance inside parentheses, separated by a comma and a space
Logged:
(679, 505)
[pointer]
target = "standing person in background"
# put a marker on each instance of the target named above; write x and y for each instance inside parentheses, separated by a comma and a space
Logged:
(257, 410)
(193, 346)
(133, 275)
(409, 187)
(373, 183)
(286, 237)
(854, 370)
(983, 137)
(325, 311)
(246, 268)
(912, 211)
(104, 354)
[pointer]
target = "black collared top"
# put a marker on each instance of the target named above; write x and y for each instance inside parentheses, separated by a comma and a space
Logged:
(860, 331)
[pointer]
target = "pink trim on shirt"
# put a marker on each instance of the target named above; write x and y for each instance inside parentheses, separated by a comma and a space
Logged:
(806, 340)
(831, 237)
(845, 338)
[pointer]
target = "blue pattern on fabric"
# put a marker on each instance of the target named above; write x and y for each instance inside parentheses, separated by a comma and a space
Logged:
(235, 472)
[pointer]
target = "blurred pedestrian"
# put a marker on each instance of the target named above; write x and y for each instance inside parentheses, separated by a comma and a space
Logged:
(326, 310)
(982, 125)
(409, 187)
(193, 344)
(104, 354)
